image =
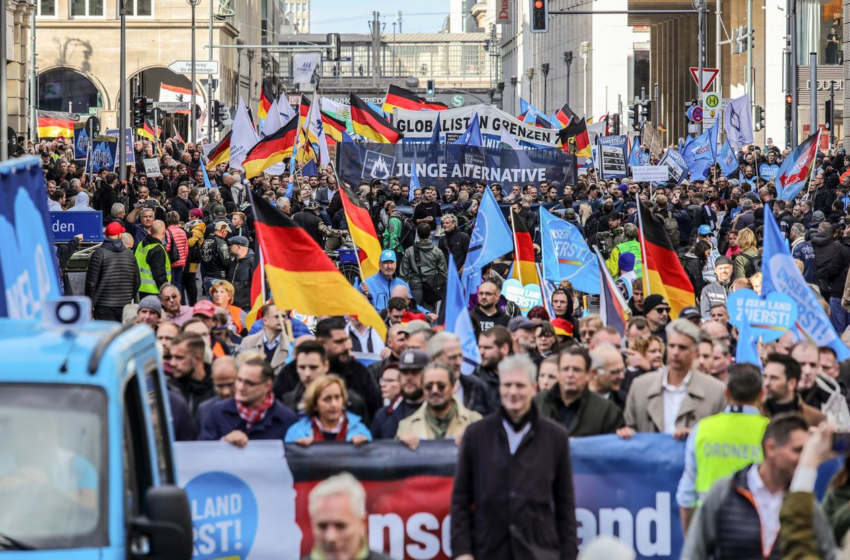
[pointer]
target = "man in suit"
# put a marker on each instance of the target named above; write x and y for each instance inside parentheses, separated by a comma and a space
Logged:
(269, 341)
(675, 398)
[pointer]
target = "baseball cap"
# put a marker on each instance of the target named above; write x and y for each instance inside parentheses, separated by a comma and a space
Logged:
(114, 229)
(690, 312)
(653, 301)
(704, 230)
(630, 205)
(818, 216)
(388, 256)
(222, 226)
(520, 322)
(219, 210)
(412, 359)
(205, 308)
(752, 196)
(312, 205)
(721, 260)
(152, 303)
(415, 326)
(239, 240)
(614, 215)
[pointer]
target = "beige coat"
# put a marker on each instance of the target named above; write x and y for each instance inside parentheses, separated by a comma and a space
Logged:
(416, 423)
(254, 343)
(645, 403)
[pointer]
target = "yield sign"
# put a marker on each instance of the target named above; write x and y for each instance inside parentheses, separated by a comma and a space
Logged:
(708, 77)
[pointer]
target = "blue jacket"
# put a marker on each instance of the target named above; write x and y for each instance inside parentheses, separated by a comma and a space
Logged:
(380, 290)
(303, 428)
(223, 418)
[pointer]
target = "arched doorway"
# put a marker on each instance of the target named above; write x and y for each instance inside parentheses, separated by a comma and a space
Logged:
(64, 89)
(161, 84)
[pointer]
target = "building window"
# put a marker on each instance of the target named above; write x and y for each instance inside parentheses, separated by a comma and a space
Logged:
(819, 29)
(641, 72)
(87, 8)
(47, 8)
(139, 8)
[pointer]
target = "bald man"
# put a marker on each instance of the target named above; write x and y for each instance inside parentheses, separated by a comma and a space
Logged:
(608, 372)
(153, 261)
(487, 311)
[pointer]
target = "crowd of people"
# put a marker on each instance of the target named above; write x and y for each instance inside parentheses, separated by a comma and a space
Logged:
(180, 257)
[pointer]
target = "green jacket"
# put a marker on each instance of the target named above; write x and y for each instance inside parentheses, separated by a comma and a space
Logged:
(739, 264)
(433, 262)
(596, 415)
(836, 506)
(392, 233)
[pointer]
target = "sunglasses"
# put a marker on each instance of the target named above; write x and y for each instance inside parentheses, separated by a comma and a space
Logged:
(662, 309)
(440, 386)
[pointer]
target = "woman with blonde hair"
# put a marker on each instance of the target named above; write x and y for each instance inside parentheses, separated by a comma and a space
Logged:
(221, 294)
(326, 418)
(584, 212)
(744, 264)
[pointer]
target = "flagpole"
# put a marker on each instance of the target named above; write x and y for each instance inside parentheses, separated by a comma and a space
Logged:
(516, 250)
(646, 289)
(339, 185)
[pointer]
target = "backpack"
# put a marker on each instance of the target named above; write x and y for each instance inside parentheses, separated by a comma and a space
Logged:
(407, 237)
(835, 408)
(171, 248)
(752, 265)
(672, 228)
(434, 286)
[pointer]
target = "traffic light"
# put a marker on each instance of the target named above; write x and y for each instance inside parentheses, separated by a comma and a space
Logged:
(140, 111)
(218, 113)
(646, 110)
(789, 108)
(429, 88)
(539, 16)
(759, 114)
(335, 49)
(616, 124)
(634, 116)
(827, 117)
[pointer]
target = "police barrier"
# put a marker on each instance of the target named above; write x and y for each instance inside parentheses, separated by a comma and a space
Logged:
(622, 488)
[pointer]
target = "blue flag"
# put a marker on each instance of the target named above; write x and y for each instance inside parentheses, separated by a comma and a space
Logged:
(727, 159)
(796, 168)
(747, 352)
(635, 158)
(309, 169)
(435, 138)
(782, 275)
(207, 183)
(414, 178)
(472, 135)
(700, 153)
(491, 238)
(738, 121)
(458, 320)
(566, 255)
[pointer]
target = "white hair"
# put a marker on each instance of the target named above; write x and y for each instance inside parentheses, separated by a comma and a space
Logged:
(599, 353)
(519, 362)
(341, 484)
(684, 328)
(435, 345)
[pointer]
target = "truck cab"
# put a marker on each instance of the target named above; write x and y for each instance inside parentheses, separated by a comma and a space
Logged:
(86, 462)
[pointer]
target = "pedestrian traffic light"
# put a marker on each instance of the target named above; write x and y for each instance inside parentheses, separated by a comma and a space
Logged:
(140, 111)
(539, 16)
(789, 108)
(827, 118)
(759, 117)
(429, 88)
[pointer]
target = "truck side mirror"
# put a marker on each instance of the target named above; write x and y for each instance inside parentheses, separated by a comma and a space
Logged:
(166, 531)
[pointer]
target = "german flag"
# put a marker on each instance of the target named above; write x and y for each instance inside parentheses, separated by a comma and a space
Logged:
(301, 276)
(662, 128)
(398, 97)
(612, 307)
(334, 128)
(662, 272)
(148, 131)
(369, 124)
(362, 231)
(258, 280)
(305, 148)
(435, 106)
(54, 124)
(524, 263)
(266, 98)
(272, 149)
(574, 139)
(221, 153)
(303, 109)
(565, 115)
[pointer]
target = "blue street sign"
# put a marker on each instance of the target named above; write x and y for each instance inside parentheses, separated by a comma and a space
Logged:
(66, 225)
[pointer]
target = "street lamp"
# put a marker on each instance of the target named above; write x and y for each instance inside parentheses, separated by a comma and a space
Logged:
(545, 70)
(584, 51)
(530, 74)
(193, 123)
(568, 60)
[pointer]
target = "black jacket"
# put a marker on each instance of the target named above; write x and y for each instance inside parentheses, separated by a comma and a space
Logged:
(475, 395)
(215, 258)
(490, 379)
(513, 507)
(182, 207)
(385, 423)
(240, 274)
(112, 279)
(831, 257)
(596, 415)
(456, 243)
(105, 199)
(309, 222)
(193, 392)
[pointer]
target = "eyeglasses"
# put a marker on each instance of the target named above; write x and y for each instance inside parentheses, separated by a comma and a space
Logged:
(171, 298)
(662, 309)
(439, 385)
(248, 383)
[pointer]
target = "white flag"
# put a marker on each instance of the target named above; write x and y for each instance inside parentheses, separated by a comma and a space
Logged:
(244, 136)
(284, 108)
(316, 129)
(738, 121)
(305, 65)
(272, 124)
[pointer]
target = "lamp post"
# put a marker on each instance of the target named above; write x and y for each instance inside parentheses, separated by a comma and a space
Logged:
(514, 81)
(530, 74)
(544, 68)
(584, 52)
(193, 122)
(568, 60)
(122, 104)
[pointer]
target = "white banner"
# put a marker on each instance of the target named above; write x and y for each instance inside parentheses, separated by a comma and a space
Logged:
(654, 173)
(243, 508)
(418, 126)
(305, 65)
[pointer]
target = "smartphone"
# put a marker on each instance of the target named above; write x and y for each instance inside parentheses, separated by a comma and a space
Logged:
(841, 442)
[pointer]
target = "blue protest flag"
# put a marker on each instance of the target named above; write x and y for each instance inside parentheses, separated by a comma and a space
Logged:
(346, 137)
(491, 238)
(566, 255)
(435, 138)
(796, 168)
(309, 169)
(523, 105)
(207, 183)
(782, 275)
(81, 143)
(472, 135)
(747, 352)
(414, 178)
(635, 158)
(458, 320)
(700, 153)
(727, 159)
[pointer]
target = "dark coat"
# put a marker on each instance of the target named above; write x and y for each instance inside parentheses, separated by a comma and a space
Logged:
(514, 507)
(181, 419)
(596, 415)
(455, 243)
(193, 392)
(385, 423)
(182, 207)
(831, 257)
(223, 418)
(475, 395)
(112, 278)
(105, 199)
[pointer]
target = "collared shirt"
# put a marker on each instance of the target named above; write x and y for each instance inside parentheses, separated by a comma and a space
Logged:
(768, 505)
(673, 397)
(270, 345)
(514, 437)
(183, 315)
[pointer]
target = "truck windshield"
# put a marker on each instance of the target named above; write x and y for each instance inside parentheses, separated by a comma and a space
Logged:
(52, 466)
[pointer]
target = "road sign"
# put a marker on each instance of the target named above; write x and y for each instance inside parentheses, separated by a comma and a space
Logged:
(694, 113)
(693, 128)
(201, 67)
(708, 77)
(457, 101)
(712, 105)
(173, 106)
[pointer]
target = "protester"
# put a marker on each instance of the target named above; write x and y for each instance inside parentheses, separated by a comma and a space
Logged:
(326, 417)
(153, 261)
(269, 342)
(411, 364)
(112, 277)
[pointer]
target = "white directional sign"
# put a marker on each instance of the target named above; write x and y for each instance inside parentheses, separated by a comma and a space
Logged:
(201, 67)
(173, 106)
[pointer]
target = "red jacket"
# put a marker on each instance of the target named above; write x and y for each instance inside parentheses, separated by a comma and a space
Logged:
(180, 237)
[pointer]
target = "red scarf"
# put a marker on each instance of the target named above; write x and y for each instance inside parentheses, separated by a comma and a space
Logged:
(253, 416)
(318, 434)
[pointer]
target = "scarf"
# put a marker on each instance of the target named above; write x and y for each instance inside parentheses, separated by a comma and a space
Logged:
(440, 425)
(253, 416)
(319, 432)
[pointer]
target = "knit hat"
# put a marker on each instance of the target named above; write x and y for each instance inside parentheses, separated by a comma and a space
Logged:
(653, 301)
(626, 262)
(152, 303)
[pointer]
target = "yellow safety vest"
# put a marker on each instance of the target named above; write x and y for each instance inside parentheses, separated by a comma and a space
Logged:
(148, 285)
(726, 443)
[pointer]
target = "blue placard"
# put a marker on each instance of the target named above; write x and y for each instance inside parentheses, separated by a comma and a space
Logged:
(769, 316)
(67, 225)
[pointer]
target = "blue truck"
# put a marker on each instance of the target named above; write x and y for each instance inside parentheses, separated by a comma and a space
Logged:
(86, 462)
